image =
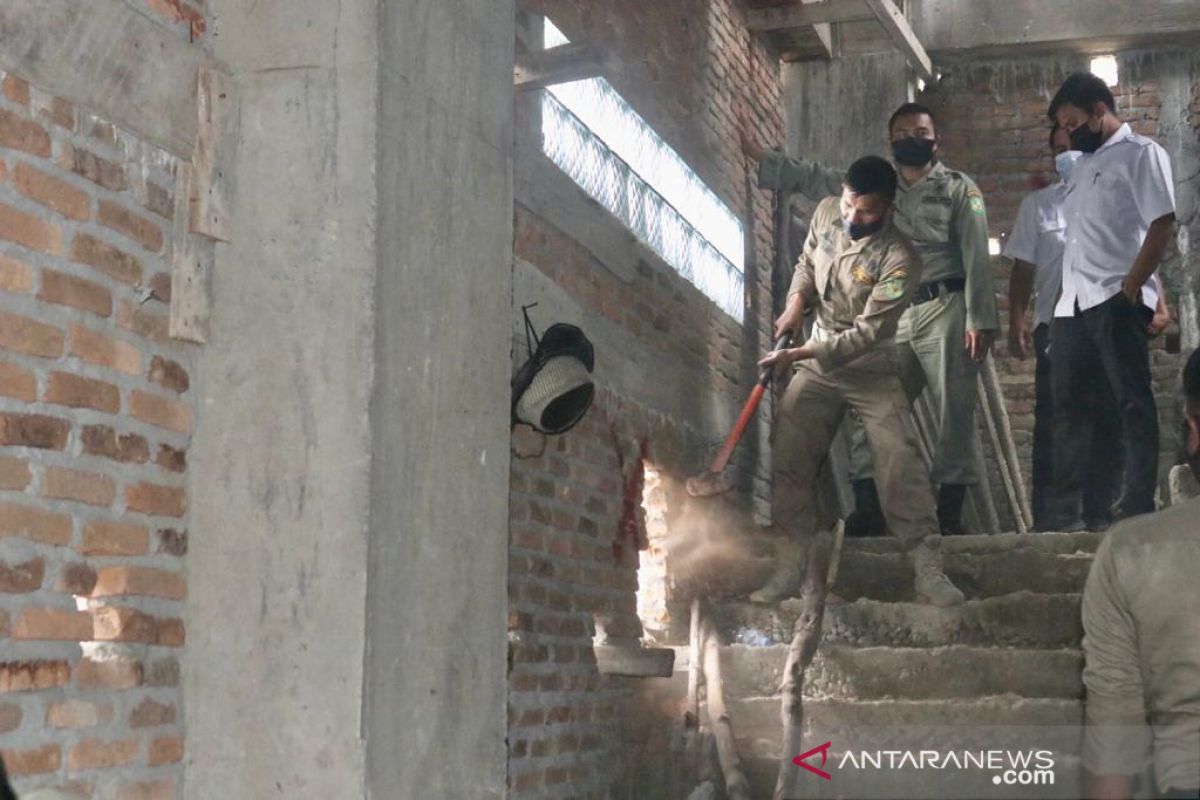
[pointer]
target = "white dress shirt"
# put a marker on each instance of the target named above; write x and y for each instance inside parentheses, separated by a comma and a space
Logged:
(1038, 237)
(1113, 196)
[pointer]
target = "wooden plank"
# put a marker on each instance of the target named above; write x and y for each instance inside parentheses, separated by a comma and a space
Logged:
(807, 15)
(824, 32)
(634, 661)
(209, 213)
(568, 62)
(901, 33)
(191, 264)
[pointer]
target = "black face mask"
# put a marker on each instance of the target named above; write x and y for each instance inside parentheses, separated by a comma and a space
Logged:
(912, 151)
(859, 231)
(1086, 140)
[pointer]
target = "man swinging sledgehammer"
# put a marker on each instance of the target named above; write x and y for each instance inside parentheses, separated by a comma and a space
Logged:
(857, 273)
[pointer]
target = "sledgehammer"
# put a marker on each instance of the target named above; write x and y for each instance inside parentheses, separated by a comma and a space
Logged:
(715, 481)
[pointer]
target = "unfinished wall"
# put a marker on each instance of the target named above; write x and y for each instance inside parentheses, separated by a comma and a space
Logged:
(96, 416)
(672, 371)
(994, 126)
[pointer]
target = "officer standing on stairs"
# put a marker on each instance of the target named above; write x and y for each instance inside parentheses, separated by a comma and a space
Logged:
(858, 273)
(950, 326)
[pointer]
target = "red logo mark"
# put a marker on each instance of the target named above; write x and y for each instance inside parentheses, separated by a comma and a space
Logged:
(824, 751)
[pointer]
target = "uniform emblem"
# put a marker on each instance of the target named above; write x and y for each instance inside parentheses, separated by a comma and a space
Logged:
(893, 287)
(975, 201)
(862, 276)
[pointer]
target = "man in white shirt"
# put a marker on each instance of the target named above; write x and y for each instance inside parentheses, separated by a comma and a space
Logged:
(1120, 215)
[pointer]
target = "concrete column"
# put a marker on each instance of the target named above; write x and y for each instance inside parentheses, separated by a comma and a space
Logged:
(349, 473)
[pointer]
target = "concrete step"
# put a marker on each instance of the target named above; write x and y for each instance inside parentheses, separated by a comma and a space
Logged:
(888, 576)
(911, 784)
(988, 723)
(1023, 619)
(909, 673)
(983, 566)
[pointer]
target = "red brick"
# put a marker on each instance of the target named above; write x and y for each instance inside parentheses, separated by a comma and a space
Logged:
(150, 713)
(30, 231)
(23, 134)
(33, 430)
(17, 382)
(76, 391)
(172, 542)
(30, 337)
(15, 276)
(96, 348)
(160, 411)
(163, 672)
(101, 754)
(163, 789)
(53, 624)
(61, 113)
(68, 290)
(171, 459)
(136, 227)
(14, 472)
(35, 523)
(169, 374)
(159, 200)
(10, 717)
(155, 499)
(52, 192)
(144, 323)
(107, 538)
(74, 713)
(165, 750)
(177, 11)
(82, 487)
(76, 578)
(95, 169)
(22, 578)
(16, 90)
(115, 673)
(160, 287)
(131, 580)
(128, 448)
(118, 624)
(33, 676)
(102, 256)
(37, 761)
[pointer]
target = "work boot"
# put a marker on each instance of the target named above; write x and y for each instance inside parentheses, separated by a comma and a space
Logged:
(789, 573)
(867, 517)
(931, 583)
(949, 508)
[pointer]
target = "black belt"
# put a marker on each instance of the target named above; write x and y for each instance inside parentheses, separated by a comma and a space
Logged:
(932, 290)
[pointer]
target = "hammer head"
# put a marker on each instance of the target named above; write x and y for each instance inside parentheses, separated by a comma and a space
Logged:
(709, 484)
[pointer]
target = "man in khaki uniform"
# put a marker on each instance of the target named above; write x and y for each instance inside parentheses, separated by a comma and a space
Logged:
(948, 329)
(858, 273)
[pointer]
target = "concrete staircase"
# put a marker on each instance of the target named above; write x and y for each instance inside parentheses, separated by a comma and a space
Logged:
(1001, 672)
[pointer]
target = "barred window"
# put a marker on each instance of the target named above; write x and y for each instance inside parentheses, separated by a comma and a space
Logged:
(597, 138)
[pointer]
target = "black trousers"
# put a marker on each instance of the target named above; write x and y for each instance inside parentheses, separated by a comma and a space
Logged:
(1105, 344)
(1103, 467)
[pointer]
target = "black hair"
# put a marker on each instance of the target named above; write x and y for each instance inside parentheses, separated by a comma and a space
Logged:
(872, 175)
(1191, 382)
(6, 790)
(908, 110)
(1082, 90)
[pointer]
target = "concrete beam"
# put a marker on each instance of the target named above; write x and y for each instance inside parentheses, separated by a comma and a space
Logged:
(105, 56)
(569, 62)
(1086, 25)
(896, 25)
(805, 15)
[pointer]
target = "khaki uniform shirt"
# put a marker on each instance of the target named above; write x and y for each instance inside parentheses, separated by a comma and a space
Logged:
(1141, 622)
(943, 214)
(859, 289)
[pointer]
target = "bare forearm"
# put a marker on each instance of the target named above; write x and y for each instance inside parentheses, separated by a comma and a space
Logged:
(1153, 249)
(1020, 289)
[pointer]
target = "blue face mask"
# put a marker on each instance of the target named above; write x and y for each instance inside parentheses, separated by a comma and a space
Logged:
(1064, 163)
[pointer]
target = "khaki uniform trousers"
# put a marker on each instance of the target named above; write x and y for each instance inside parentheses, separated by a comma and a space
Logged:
(930, 343)
(812, 409)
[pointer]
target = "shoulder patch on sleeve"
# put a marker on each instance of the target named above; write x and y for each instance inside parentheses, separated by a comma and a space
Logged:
(975, 201)
(893, 287)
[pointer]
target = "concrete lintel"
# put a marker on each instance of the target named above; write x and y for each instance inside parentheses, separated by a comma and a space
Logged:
(105, 56)
(901, 33)
(947, 26)
(569, 62)
(805, 15)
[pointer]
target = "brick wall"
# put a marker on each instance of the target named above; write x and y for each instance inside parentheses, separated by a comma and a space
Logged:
(992, 116)
(189, 18)
(95, 420)
(578, 529)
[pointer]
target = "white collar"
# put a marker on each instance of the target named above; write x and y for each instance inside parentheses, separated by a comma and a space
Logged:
(1123, 133)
